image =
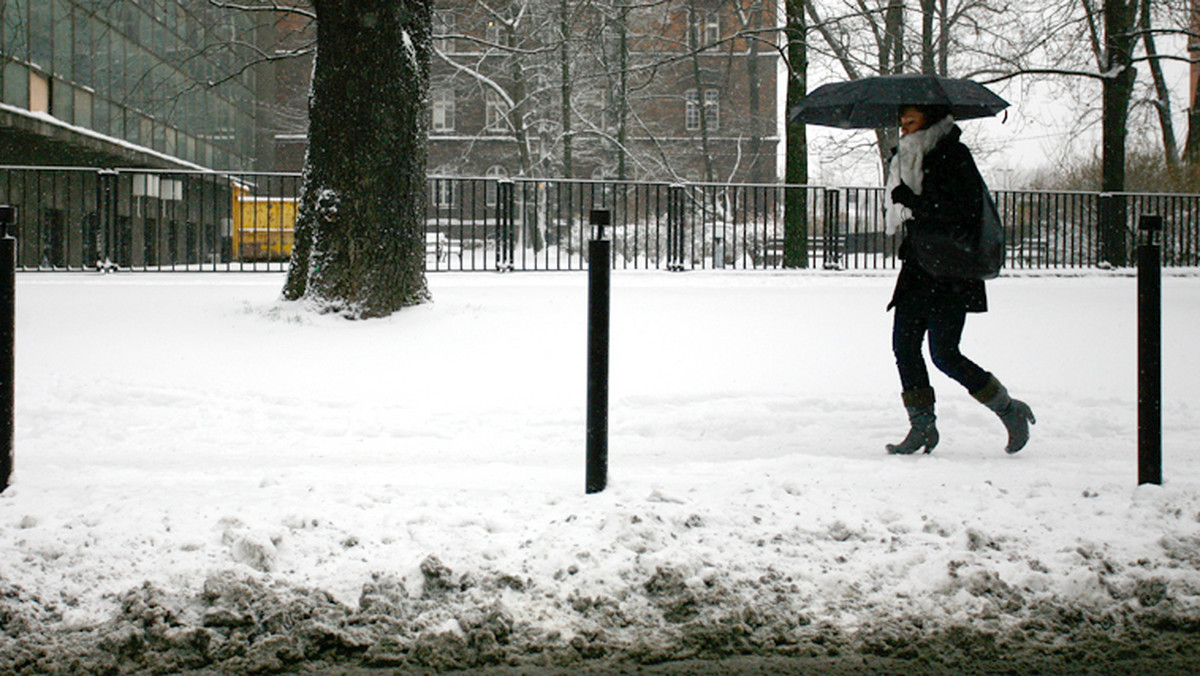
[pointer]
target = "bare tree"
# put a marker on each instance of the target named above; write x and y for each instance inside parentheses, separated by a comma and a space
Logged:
(1162, 100)
(885, 53)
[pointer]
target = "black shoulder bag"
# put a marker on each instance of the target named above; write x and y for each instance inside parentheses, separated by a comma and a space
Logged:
(975, 254)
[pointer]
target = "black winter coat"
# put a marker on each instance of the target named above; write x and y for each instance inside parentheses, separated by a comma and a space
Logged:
(951, 199)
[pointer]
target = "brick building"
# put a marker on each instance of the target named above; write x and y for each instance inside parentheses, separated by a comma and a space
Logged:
(668, 91)
(681, 90)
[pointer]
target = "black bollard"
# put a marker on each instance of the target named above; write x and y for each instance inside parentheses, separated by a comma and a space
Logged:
(599, 274)
(1150, 351)
(8, 332)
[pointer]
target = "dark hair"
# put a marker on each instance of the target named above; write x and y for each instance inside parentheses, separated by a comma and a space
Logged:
(934, 114)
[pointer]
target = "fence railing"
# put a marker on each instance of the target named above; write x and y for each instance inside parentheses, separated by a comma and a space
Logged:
(86, 219)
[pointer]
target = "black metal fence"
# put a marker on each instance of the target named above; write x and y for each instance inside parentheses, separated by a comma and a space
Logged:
(88, 219)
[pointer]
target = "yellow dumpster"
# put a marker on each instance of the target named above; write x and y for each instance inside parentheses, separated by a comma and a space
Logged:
(263, 227)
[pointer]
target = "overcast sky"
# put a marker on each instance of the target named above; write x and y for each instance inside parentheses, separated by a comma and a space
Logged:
(1039, 130)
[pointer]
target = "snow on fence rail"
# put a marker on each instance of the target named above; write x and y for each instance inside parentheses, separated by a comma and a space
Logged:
(84, 218)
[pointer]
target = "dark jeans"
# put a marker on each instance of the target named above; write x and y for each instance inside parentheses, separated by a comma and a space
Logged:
(945, 331)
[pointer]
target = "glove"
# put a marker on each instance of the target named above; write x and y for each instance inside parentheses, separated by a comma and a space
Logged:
(902, 194)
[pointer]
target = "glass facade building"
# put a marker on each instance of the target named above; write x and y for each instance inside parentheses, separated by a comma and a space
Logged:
(158, 75)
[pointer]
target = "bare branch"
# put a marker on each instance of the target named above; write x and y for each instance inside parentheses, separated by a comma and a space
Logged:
(1045, 71)
(261, 58)
(273, 7)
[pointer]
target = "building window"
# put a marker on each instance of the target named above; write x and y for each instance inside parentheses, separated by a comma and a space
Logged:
(443, 192)
(443, 109)
(705, 28)
(495, 112)
(712, 109)
(494, 33)
(494, 174)
(83, 108)
(712, 29)
(444, 24)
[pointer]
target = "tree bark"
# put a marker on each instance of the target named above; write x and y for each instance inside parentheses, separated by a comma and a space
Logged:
(928, 49)
(622, 91)
(756, 158)
(1163, 104)
(564, 63)
(893, 39)
(1191, 148)
(360, 246)
(1117, 91)
(795, 228)
(943, 49)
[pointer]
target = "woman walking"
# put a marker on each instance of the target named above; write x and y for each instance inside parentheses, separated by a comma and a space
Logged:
(933, 183)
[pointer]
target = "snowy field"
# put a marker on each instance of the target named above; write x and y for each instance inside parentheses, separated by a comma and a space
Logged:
(209, 478)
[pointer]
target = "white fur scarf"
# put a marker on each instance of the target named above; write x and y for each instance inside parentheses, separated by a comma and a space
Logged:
(906, 166)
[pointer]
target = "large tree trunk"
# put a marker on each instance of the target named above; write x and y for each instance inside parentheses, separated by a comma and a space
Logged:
(795, 229)
(1117, 91)
(928, 56)
(360, 243)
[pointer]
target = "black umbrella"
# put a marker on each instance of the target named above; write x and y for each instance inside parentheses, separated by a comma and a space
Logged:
(874, 102)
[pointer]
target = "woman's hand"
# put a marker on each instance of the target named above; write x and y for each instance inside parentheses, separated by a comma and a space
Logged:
(902, 194)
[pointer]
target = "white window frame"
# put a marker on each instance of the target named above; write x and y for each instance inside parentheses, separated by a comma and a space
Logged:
(494, 175)
(496, 111)
(712, 109)
(442, 193)
(444, 24)
(443, 113)
(691, 114)
(712, 30)
(704, 28)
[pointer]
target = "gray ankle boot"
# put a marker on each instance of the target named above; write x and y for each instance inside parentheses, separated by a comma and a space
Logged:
(1014, 413)
(923, 433)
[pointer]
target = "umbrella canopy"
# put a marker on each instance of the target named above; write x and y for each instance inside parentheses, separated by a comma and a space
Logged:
(874, 102)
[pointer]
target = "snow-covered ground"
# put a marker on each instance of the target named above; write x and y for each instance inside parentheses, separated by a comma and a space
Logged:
(208, 477)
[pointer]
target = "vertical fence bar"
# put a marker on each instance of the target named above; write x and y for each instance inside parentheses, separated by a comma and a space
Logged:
(832, 212)
(1150, 351)
(675, 228)
(562, 213)
(693, 212)
(1084, 211)
(106, 205)
(505, 198)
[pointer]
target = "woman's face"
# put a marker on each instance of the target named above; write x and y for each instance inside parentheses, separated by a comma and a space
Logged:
(911, 120)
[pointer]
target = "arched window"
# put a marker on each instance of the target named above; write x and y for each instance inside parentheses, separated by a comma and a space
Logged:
(496, 111)
(442, 190)
(494, 174)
